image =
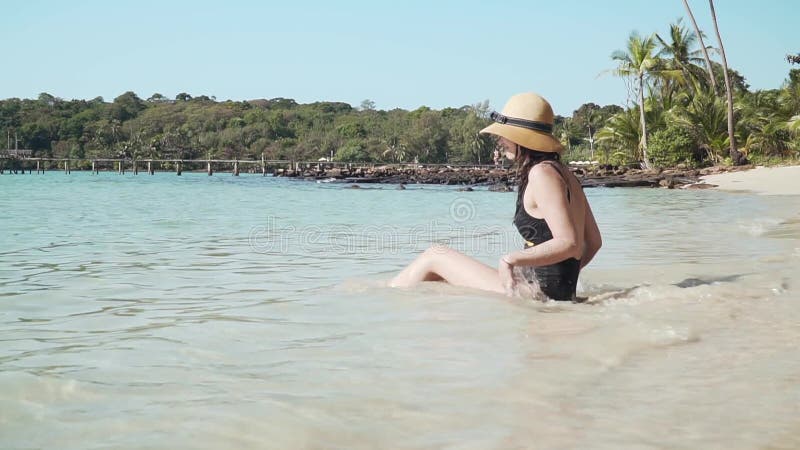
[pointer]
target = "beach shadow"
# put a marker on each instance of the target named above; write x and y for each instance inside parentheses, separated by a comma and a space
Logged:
(694, 282)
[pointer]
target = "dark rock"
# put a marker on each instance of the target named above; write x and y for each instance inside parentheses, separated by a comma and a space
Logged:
(354, 186)
(465, 189)
(700, 186)
(504, 180)
(694, 282)
(501, 188)
(619, 182)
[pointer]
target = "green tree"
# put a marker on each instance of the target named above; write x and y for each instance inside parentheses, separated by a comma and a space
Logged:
(567, 132)
(126, 106)
(367, 105)
(157, 98)
(427, 137)
(671, 146)
(762, 124)
(589, 118)
(683, 60)
(705, 118)
(638, 62)
(620, 134)
(353, 151)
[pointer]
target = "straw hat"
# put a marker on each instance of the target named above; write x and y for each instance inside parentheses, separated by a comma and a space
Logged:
(527, 120)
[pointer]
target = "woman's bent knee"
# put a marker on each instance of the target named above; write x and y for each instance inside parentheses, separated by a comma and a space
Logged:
(437, 249)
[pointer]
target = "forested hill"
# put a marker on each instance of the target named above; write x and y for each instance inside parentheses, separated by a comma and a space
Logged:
(201, 127)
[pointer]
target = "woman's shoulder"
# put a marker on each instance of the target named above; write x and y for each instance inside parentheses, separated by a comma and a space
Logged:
(546, 169)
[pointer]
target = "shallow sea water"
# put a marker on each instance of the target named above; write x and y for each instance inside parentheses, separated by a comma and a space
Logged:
(232, 312)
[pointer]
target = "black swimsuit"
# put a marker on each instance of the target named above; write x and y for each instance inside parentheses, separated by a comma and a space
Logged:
(557, 281)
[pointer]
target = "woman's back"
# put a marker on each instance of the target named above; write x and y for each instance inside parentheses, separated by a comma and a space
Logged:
(571, 198)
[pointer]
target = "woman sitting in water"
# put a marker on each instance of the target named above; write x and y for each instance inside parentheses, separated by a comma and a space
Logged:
(552, 215)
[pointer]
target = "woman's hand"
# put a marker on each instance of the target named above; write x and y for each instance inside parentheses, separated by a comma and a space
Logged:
(506, 272)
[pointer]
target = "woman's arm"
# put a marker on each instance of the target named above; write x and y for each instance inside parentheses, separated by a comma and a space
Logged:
(592, 240)
(551, 199)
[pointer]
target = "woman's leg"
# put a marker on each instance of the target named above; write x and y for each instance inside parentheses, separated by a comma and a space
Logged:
(441, 263)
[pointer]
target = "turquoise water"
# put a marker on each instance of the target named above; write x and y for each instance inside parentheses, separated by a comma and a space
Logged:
(226, 312)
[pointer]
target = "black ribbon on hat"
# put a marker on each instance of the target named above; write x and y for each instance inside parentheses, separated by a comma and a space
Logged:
(522, 123)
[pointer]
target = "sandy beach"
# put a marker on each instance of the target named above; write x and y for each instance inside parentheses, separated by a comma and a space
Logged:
(761, 180)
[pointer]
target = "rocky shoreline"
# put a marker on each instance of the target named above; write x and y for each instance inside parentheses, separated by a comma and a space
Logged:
(499, 179)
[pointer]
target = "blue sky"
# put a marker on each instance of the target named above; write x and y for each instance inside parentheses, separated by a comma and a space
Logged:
(399, 54)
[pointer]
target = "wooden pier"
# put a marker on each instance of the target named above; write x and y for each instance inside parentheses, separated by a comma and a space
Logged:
(121, 166)
(18, 161)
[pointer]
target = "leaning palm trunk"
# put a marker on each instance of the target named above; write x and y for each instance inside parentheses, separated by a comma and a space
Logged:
(736, 156)
(643, 142)
(702, 46)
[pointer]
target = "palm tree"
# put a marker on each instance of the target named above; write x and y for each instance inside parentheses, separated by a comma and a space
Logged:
(621, 132)
(639, 62)
(395, 149)
(481, 144)
(736, 156)
(773, 138)
(702, 46)
(793, 125)
(683, 58)
(593, 122)
(789, 97)
(566, 133)
(704, 117)
(763, 124)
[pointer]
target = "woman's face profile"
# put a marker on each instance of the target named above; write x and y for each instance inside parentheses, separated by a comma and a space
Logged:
(509, 148)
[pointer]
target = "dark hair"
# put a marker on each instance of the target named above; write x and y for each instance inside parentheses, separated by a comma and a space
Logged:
(524, 159)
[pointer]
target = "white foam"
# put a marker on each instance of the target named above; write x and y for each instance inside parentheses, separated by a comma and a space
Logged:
(758, 226)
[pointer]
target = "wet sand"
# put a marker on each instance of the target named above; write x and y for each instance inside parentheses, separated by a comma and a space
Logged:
(761, 180)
